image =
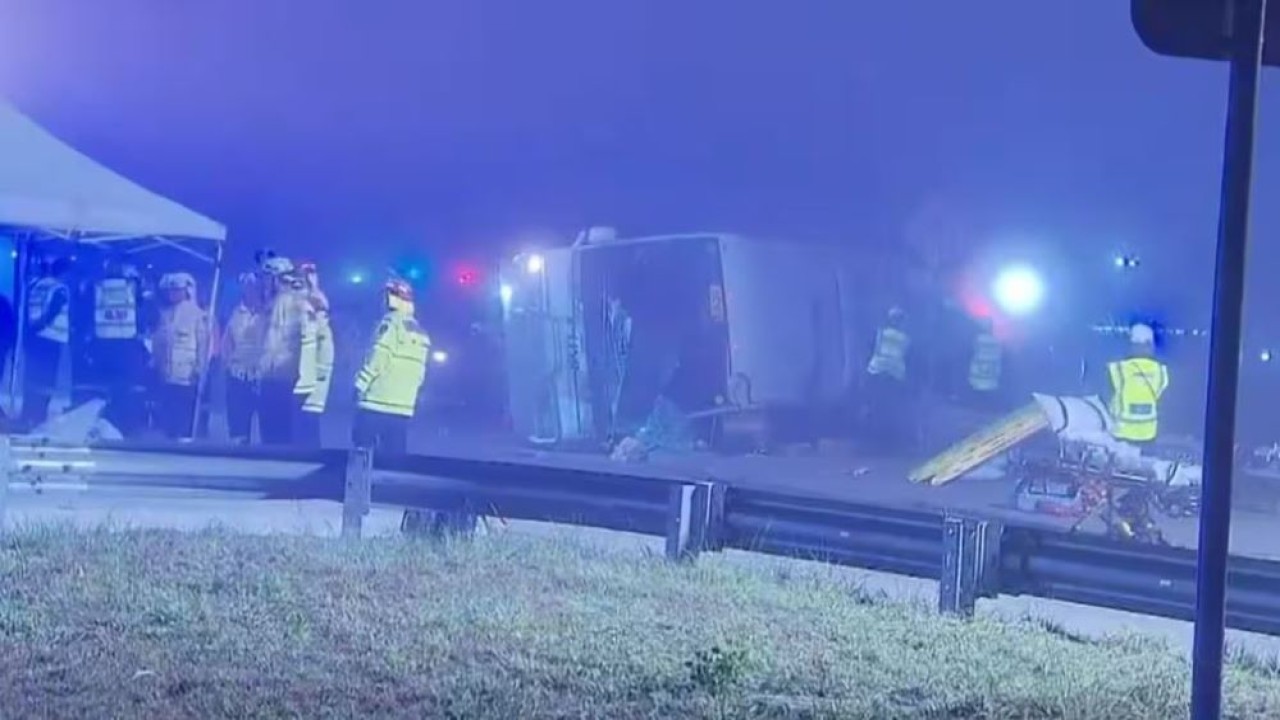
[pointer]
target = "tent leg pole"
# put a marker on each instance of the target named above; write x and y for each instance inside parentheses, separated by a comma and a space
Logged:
(203, 381)
(18, 366)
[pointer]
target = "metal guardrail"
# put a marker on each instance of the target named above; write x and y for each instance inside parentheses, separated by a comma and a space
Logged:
(971, 558)
(864, 536)
(1158, 581)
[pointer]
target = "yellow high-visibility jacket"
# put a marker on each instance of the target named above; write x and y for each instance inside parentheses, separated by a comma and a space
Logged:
(288, 349)
(180, 344)
(1137, 384)
(319, 397)
(242, 343)
(395, 366)
(890, 355)
(985, 364)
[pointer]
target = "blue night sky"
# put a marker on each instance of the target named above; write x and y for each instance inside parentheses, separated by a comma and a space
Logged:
(465, 125)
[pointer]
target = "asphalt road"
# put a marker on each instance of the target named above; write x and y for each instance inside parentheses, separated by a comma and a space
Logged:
(875, 481)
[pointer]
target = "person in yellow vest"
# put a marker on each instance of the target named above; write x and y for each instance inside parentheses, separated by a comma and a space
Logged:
(887, 395)
(986, 365)
(1137, 384)
(242, 355)
(179, 354)
(48, 331)
(392, 374)
(287, 367)
(117, 352)
(309, 430)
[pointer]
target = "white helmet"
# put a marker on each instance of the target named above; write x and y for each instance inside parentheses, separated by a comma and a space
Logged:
(277, 265)
(178, 281)
(1141, 334)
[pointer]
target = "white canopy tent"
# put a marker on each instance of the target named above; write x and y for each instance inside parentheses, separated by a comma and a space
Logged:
(54, 192)
(48, 185)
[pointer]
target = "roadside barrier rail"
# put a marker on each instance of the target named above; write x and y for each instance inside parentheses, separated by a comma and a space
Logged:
(970, 557)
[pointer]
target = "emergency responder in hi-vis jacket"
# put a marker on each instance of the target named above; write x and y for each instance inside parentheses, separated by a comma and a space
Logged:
(887, 411)
(117, 352)
(313, 405)
(48, 331)
(242, 355)
(287, 367)
(180, 355)
(985, 365)
(1137, 384)
(308, 353)
(394, 368)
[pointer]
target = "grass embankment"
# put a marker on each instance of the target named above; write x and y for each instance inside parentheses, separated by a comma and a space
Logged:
(166, 625)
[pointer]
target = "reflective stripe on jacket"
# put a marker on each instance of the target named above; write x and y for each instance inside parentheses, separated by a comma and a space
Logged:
(984, 366)
(308, 353)
(395, 367)
(319, 397)
(39, 297)
(890, 355)
(115, 309)
(1137, 385)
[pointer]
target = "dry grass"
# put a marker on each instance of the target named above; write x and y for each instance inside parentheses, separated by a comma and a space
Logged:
(214, 625)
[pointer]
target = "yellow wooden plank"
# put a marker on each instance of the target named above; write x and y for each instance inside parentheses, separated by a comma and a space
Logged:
(983, 445)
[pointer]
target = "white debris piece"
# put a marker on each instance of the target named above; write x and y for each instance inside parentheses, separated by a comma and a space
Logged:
(1085, 421)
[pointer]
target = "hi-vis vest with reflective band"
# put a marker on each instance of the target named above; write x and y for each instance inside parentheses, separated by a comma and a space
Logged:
(38, 298)
(315, 402)
(395, 367)
(115, 309)
(890, 356)
(1137, 384)
(984, 366)
(307, 352)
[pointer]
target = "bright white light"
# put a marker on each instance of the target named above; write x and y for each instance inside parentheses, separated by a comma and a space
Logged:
(439, 357)
(505, 293)
(356, 278)
(534, 264)
(1018, 290)
(1265, 356)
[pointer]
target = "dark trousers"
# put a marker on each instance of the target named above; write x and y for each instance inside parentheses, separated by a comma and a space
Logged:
(41, 377)
(120, 368)
(887, 414)
(985, 400)
(277, 409)
(381, 431)
(242, 405)
(175, 410)
(307, 427)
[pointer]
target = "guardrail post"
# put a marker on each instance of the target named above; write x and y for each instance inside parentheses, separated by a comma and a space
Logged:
(689, 520)
(357, 492)
(969, 551)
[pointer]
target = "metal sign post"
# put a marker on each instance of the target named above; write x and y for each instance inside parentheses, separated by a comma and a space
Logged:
(1245, 27)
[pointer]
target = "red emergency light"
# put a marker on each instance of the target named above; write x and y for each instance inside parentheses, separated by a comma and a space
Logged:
(467, 276)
